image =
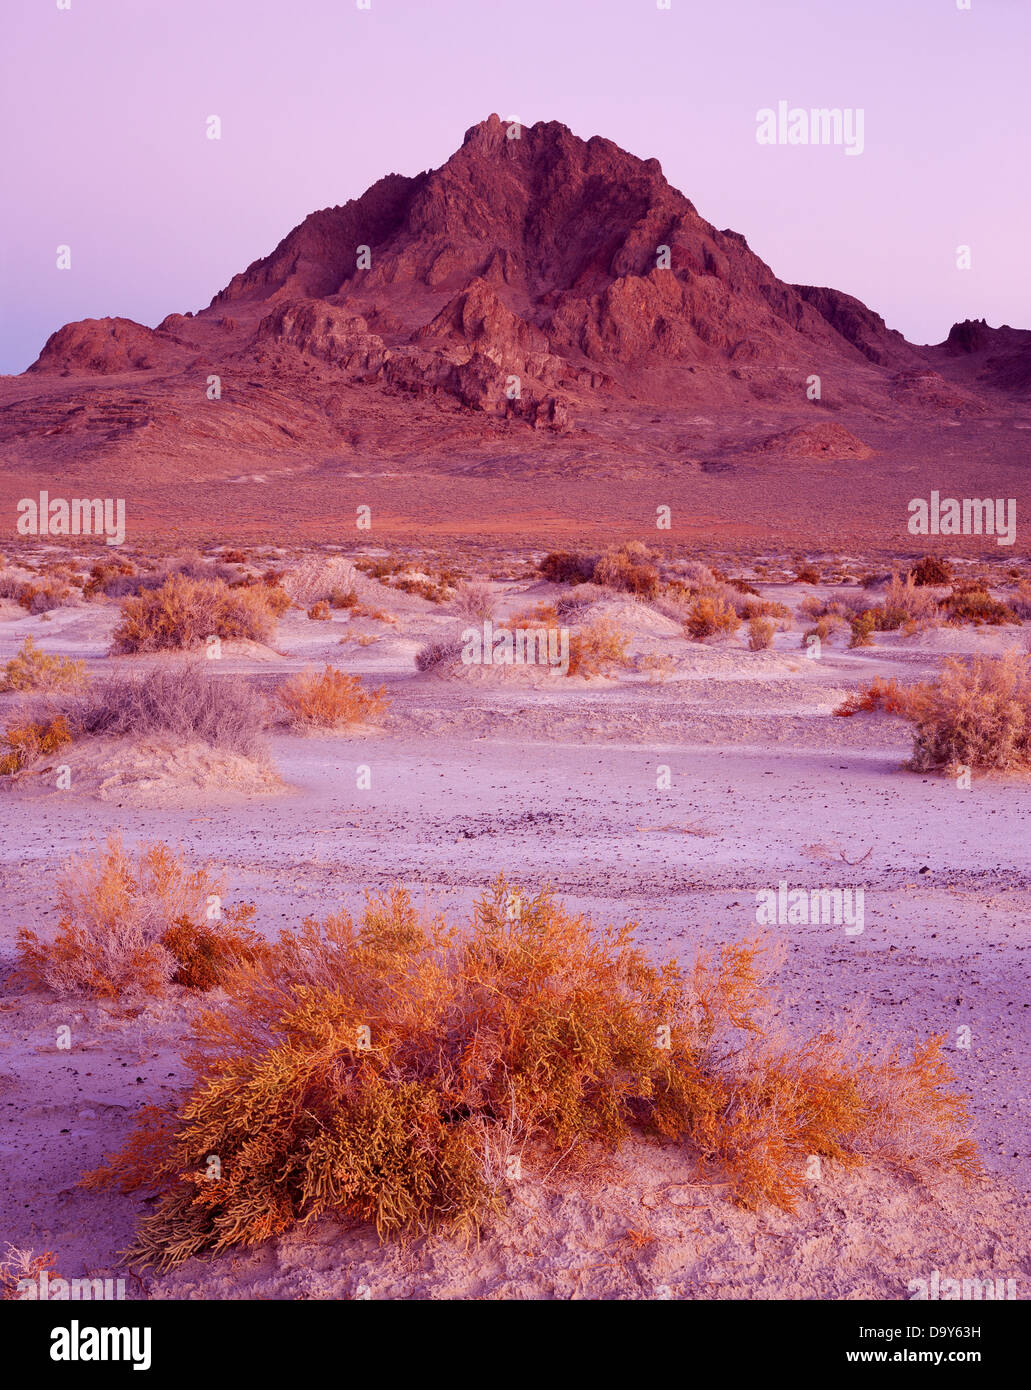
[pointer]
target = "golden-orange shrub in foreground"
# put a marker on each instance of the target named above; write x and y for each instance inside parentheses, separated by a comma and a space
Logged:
(387, 1070)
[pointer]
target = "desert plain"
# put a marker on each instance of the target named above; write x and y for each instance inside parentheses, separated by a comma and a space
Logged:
(669, 789)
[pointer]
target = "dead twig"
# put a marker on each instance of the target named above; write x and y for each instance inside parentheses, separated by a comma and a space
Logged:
(853, 862)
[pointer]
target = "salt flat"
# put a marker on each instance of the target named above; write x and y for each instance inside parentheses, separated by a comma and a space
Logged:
(672, 803)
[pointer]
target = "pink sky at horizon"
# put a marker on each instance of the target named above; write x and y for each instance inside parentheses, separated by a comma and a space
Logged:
(104, 108)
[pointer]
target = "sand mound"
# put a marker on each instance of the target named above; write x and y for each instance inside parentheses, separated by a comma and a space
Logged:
(959, 641)
(236, 648)
(643, 1227)
(930, 390)
(149, 772)
(635, 619)
(722, 660)
(529, 675)
(817, 441)
(388, 599)
(243, 647)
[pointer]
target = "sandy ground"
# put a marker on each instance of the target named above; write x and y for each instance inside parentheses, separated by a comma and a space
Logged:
(557, 780)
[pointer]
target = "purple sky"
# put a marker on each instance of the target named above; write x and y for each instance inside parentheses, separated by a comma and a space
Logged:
(104, 109)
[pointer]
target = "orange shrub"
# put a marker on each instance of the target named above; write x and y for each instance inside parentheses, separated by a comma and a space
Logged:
(838, 605)
(974, 604)
(329, 699)
(760, 634)
(105, 572)
(275, 598)
(628, 569)
(437, 590)
(879, 694)
(765, 608)
(977, 714)
(376, 615)
(131, 924)
(31, 669)
(931, 569)
(374, 1069)
(41, 598)
(864, 625)
(905, 601)
(184, 612)
(206, 951)
(31, 740)
(541, 615)
(17, 1265)
(596, 648)
(824, 628)
(709, 617)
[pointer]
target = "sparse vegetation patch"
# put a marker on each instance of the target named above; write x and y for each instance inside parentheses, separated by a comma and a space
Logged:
(383, 1069)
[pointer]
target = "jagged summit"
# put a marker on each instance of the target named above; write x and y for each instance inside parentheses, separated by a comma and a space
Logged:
(581, 258)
